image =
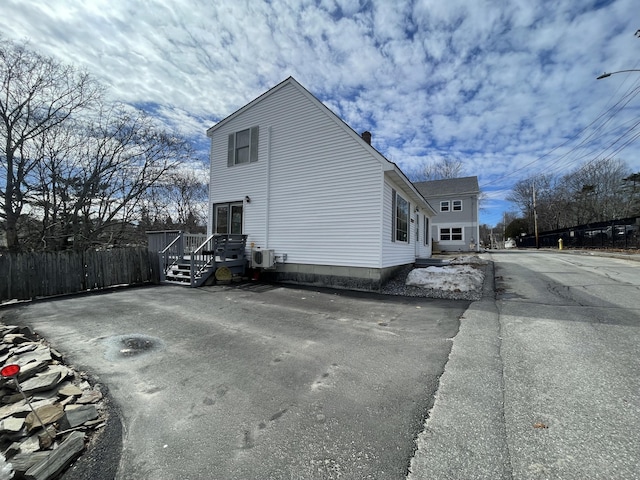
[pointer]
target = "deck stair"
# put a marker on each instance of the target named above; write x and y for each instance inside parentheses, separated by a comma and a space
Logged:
(192, 259)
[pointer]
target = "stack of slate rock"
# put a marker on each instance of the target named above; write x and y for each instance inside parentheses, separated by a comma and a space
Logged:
(47, 410)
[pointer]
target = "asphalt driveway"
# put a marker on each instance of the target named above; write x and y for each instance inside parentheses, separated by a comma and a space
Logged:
(257, 381)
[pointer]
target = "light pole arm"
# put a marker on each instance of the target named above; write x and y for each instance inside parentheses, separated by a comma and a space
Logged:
(605, 75)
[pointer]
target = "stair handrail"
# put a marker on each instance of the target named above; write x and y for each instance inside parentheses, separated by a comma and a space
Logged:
(201, 247)
(197, 251)
(163, 254)
(172, 242)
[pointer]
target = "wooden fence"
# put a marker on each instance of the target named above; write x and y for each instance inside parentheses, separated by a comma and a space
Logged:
(25, 276)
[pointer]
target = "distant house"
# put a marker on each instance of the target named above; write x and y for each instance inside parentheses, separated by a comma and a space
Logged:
(318, 203)
(455, 228)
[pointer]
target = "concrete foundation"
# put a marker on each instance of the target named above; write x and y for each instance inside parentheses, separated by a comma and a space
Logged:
(332, 276)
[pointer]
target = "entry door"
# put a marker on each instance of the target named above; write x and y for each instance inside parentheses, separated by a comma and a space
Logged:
(228, 217)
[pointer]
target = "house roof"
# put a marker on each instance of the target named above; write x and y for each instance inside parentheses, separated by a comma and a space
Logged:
(389, 167)
(448, 186)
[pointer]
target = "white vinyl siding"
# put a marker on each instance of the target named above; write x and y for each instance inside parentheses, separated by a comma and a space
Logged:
(324, 186)
(395, 253)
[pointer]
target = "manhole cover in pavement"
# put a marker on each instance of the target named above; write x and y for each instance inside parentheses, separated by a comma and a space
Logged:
(132, 345)
(135, 345)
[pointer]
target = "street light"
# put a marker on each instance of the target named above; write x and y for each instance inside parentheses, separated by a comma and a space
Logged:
(605, 75)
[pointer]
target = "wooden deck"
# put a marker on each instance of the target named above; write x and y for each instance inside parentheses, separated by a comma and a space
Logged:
(191, 259)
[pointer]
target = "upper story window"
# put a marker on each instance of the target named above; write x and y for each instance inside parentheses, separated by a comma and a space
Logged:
(243, 147)
(400, 214)
(451, 206)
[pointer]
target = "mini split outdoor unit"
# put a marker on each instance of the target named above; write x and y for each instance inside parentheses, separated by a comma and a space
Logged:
(262, 258)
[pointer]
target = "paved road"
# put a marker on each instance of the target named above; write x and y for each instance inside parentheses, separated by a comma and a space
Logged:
(258, 383)
(542, 383)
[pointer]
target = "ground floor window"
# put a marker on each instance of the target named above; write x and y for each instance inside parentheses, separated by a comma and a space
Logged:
(450, 233)
(227, 217)
(400, 215)
(426, 230)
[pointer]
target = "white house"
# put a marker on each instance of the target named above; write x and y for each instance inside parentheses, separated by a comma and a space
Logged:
(456, 227)
(319, 204)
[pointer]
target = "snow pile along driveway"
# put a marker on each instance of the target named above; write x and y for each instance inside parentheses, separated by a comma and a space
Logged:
(462, 278)
(452, 278)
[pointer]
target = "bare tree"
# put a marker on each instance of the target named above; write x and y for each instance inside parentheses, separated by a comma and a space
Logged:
(186, 194)
(445, 168)
(551, 205)
(598, 191)
(93, 180)
(37, 94)
(82, 167)
(178, 201)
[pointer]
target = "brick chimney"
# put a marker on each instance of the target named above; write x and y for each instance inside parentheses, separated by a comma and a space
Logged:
(366, 136)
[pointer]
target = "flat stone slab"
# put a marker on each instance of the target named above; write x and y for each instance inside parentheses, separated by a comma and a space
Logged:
(24, 461)
(21, 408)
(42, 382)
(48, 414)
(70, 391)
(76, 415)
(40, 354)
(59, 459)
(26, 347)
(30, 369)
(15, 338)
(90, 396)
(11, 425)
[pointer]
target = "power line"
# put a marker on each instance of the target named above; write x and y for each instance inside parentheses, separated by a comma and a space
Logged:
(609, 113)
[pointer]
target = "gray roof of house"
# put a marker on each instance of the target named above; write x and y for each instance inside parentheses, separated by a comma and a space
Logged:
(448, 186)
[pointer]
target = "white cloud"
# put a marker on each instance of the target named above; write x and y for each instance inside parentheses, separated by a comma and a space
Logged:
(495, 84)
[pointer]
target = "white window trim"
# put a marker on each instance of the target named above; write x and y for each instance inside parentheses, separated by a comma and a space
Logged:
(445, 203)
(453, 206)
(229, 206)
(450, 228)
(427, 229)
(232, 160)
(394, 218)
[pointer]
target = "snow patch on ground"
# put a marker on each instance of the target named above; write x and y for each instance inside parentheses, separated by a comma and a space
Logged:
(461, 275)
(455, 278)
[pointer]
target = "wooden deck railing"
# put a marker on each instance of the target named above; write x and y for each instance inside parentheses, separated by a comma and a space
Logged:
(204, 254)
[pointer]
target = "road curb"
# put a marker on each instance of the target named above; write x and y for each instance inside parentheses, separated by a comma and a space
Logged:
(464, 435)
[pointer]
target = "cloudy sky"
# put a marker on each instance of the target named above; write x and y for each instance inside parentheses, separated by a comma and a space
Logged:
(507, 87)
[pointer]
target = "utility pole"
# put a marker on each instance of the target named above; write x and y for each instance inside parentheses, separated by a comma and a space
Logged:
(535, 213)
(504, 228)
